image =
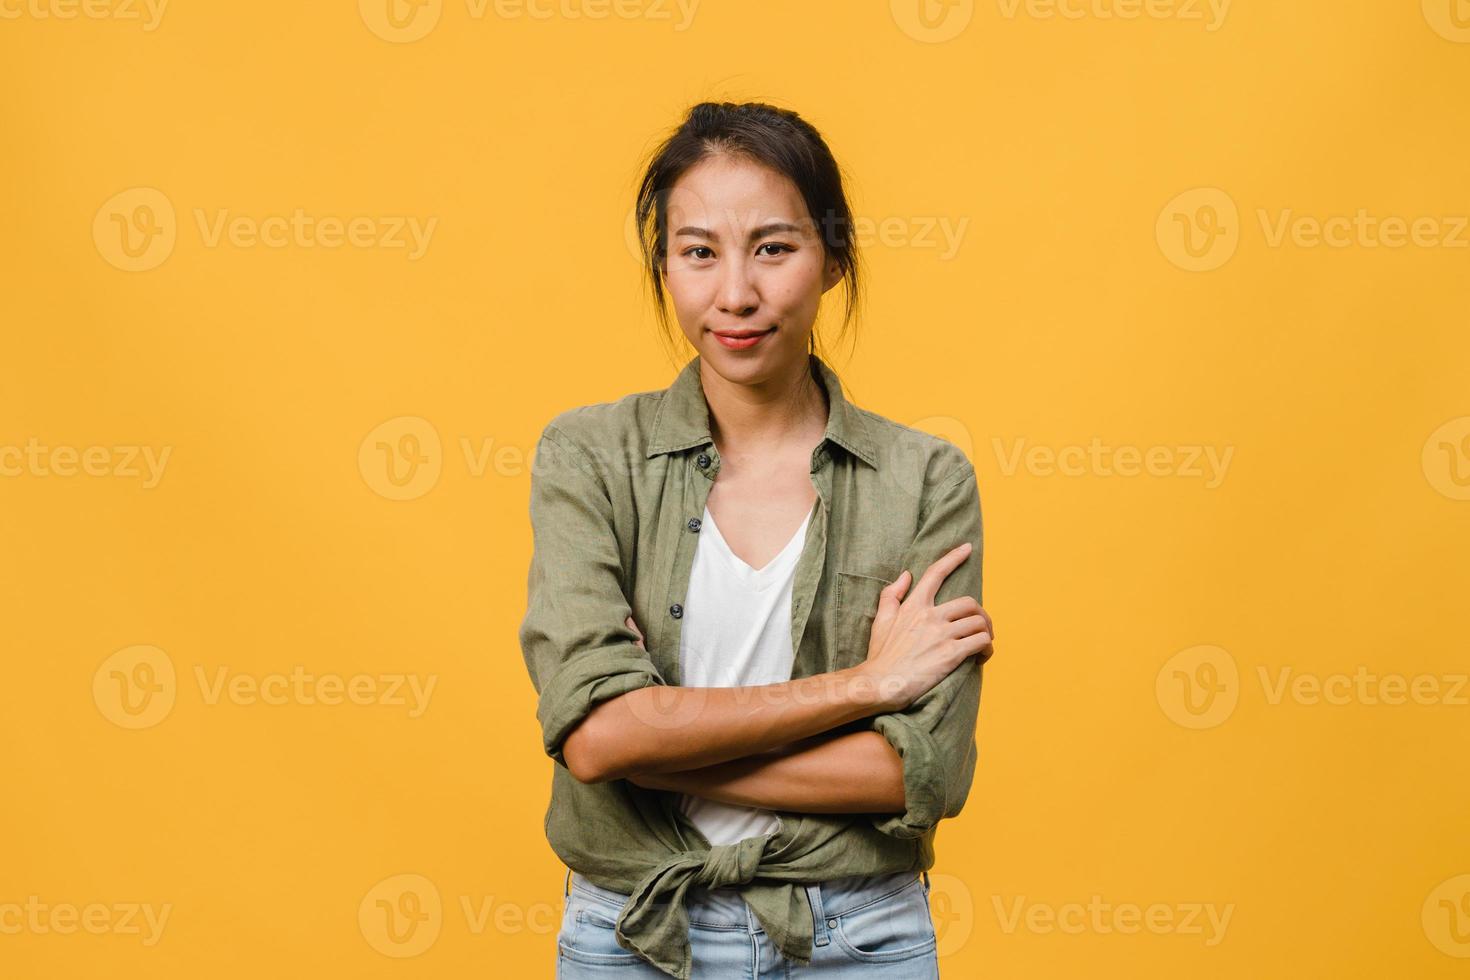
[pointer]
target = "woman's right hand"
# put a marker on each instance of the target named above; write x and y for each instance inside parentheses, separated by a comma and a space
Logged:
(915, 644)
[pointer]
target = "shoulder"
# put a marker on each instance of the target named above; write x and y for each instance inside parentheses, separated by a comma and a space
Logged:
(920, 458)
(596, 430)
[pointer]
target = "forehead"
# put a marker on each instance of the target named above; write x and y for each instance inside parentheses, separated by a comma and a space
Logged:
(724, 191)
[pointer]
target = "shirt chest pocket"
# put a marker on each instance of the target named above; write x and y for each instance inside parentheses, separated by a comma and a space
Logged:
(854, 606)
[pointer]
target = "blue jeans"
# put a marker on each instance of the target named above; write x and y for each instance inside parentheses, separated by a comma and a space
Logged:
(864, 927)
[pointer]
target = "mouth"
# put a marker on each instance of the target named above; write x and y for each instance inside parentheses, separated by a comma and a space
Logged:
(742, 339)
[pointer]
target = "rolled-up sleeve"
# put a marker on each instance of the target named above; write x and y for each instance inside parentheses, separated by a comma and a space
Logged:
(574, 638)
(935, 735)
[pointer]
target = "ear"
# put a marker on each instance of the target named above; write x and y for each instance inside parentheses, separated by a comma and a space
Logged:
(831, 275)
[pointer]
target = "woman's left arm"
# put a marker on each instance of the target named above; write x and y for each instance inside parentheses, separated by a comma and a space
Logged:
(798, 776)
(851, 772)
(909, 769)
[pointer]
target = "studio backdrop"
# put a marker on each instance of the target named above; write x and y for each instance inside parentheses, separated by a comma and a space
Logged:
(290, 290)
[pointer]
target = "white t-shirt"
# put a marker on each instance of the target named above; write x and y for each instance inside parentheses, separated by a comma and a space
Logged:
(736, 633)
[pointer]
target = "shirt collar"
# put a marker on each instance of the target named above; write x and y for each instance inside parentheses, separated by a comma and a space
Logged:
(682, 419)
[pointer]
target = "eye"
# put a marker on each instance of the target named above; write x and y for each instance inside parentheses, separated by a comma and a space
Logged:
(697, 248)
(784, 248)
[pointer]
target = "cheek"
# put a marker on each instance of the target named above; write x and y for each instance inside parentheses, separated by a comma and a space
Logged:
(795, 285)
(687, 292)
(786, 295)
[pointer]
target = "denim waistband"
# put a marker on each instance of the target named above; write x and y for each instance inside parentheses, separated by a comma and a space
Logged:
(724, 908)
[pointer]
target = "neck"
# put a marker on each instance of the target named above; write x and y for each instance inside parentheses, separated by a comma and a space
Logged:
(776, 413)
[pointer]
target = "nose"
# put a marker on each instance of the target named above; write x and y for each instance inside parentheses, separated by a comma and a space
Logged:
(737, 295)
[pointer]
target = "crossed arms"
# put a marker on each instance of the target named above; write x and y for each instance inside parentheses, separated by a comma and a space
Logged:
(825, 743)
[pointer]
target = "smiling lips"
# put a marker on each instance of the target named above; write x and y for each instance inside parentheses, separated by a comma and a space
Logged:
(741, 339)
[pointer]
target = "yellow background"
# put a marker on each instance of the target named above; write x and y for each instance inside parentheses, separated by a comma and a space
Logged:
(1073, 152)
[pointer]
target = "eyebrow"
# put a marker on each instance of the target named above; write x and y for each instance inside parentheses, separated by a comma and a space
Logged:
(767, 229)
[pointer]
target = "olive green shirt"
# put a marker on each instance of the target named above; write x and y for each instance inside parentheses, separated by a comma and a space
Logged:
(617, 490)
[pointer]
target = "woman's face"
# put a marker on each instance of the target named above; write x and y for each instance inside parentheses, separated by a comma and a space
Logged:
(745, 257)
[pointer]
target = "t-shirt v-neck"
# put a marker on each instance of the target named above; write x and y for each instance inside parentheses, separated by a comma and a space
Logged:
(758, 579)
(737, 633)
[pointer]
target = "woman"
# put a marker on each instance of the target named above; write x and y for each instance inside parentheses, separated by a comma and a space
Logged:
(752, 787)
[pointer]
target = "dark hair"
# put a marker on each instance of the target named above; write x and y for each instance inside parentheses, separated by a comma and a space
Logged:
(764, 134)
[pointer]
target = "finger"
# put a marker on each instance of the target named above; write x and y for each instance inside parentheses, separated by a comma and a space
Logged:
(989, 623)
(968, 626)
(975, 643)
(959, 607)
(888, 599)
(894, 590)
(936, 573)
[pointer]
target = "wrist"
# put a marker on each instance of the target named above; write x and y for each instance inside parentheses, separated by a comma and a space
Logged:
(866, 690)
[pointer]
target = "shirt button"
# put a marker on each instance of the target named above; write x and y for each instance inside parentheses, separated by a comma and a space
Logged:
(832, 923)
(676, 610)
(694, 523)
(703, 460)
